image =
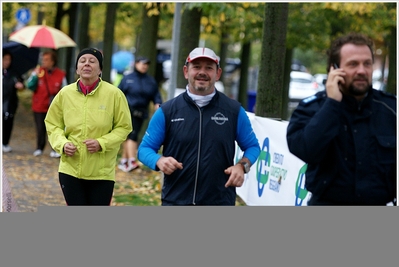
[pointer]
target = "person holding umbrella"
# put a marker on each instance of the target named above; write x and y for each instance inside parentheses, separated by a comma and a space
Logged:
(86, 123)
(45, 82)
(12, 82)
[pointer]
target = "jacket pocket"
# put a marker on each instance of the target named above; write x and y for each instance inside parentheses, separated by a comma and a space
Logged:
(386, 151)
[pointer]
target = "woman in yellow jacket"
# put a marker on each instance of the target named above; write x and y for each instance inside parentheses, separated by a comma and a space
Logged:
(86, 123)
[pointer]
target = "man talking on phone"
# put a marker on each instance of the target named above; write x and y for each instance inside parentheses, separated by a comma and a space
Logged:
(347, 133)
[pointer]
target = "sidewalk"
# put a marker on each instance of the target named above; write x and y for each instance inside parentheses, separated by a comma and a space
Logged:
(33, 180)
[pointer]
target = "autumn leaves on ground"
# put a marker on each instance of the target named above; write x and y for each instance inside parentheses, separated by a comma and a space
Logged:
(34, 180)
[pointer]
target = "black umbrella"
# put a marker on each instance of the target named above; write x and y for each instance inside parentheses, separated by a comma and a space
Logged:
(23, 58)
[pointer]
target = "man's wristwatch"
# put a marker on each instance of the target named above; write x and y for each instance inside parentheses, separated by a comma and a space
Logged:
(245, 166)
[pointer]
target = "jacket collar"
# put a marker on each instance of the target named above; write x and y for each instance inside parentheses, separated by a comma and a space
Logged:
(88, 89)
(352, 104)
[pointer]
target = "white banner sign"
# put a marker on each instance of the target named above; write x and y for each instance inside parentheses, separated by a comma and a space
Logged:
(278, 177)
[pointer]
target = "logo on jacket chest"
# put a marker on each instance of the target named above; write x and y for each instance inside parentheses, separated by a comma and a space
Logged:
(219, 118)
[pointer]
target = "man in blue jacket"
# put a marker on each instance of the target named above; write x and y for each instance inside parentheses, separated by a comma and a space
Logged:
(347, 133)
(197, 131)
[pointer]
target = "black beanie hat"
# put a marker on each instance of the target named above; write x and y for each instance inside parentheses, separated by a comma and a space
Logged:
(93, 51)
(143, 60)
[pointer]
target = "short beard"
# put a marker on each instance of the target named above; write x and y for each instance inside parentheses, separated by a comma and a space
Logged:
(355, 91)
(201, 88)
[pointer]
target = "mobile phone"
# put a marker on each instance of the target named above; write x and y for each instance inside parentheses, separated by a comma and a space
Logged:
(336, 66)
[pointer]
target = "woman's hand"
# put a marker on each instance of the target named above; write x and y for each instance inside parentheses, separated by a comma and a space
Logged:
(92, 145)
(69, 149)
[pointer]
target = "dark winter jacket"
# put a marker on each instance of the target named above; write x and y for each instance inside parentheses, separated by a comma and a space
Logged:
(140, 89)
(350, 147)
(10, 96)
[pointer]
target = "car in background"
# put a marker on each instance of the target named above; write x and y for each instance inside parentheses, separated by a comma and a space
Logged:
(379, 83)
(321, 79)
(302, 85)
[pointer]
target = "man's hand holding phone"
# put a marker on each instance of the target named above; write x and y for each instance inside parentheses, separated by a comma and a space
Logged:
(334, 82)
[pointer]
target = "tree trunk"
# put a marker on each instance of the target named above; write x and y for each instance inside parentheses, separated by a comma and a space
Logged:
(271, 70)
(70, 51)
(61, 53)
(146, 45)
(286, 109)
(148, 36)
(40, 14)
(84, 39)
(391, 82)
(109, 30)
(189, 39)
(243, 83)
(59, 15)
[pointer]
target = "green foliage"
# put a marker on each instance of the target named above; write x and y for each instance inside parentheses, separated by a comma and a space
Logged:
(243, 21)
(307, 26)
(10, 9)
(166, 21)
(7, 11)
(311, 25)
(128, 23)
(314, 61)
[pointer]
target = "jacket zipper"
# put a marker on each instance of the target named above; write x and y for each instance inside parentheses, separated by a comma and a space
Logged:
(199, 153)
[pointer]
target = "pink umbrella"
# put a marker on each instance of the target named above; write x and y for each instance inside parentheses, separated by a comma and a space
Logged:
(42, 36)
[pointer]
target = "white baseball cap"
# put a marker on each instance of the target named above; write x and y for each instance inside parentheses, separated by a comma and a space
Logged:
(202, 52)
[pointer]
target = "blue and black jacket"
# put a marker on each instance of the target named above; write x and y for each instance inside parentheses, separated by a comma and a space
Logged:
(203, 139)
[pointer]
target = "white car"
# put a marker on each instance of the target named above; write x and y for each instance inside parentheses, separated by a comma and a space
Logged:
(302, 85)
(379, 83)
(320, 78)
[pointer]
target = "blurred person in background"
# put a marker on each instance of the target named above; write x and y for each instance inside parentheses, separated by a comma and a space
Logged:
(12, 82)
(140, 89)
(45, 82)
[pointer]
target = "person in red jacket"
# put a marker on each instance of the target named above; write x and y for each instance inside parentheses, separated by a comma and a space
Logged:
(45, 81)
